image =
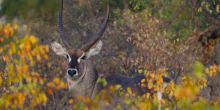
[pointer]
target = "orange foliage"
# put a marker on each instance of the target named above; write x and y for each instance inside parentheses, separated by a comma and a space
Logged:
(21, 86)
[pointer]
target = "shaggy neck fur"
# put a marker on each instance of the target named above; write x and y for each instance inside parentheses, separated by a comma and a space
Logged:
(87, 84)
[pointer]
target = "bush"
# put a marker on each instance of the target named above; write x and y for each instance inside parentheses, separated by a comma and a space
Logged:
(23, 87)
(184, 95)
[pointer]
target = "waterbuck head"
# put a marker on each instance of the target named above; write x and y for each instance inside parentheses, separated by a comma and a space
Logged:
(78, 58)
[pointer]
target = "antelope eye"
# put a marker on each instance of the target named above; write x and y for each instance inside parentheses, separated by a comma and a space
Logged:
(67, 56)
(83, 57)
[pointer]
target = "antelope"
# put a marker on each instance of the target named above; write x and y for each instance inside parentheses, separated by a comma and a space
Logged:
(81, 73)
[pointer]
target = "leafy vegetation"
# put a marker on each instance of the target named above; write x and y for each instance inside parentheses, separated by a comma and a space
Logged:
(29, 9)
(20, 83)
(155, 38)
(22, 87)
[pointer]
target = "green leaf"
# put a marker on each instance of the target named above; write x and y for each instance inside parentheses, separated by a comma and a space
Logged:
(198, 70)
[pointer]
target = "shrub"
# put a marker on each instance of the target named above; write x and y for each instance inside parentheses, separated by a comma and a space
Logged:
(22, 87)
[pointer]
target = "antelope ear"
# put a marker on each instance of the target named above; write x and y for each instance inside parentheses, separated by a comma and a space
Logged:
(58, 49)
(94, 50)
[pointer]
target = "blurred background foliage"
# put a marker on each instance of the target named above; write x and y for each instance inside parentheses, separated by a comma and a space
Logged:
(142, 37)
(26, 9)
(182, 16)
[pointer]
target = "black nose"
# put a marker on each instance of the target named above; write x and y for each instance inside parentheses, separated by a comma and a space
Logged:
(71, 72)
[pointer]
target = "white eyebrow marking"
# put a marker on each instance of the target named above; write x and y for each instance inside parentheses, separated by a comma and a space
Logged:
(79, 59)
(69, 58)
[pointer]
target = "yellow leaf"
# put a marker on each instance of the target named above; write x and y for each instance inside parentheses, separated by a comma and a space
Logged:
(8, 31)
(33, 40)
(0, 80)
(150, 85)
(56, 80)
(129, 90)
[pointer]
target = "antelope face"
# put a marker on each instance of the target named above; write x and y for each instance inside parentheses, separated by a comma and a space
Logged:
(75, 58)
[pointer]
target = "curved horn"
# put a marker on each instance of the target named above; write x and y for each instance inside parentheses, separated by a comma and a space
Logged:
(99, 34)
(60, 26)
